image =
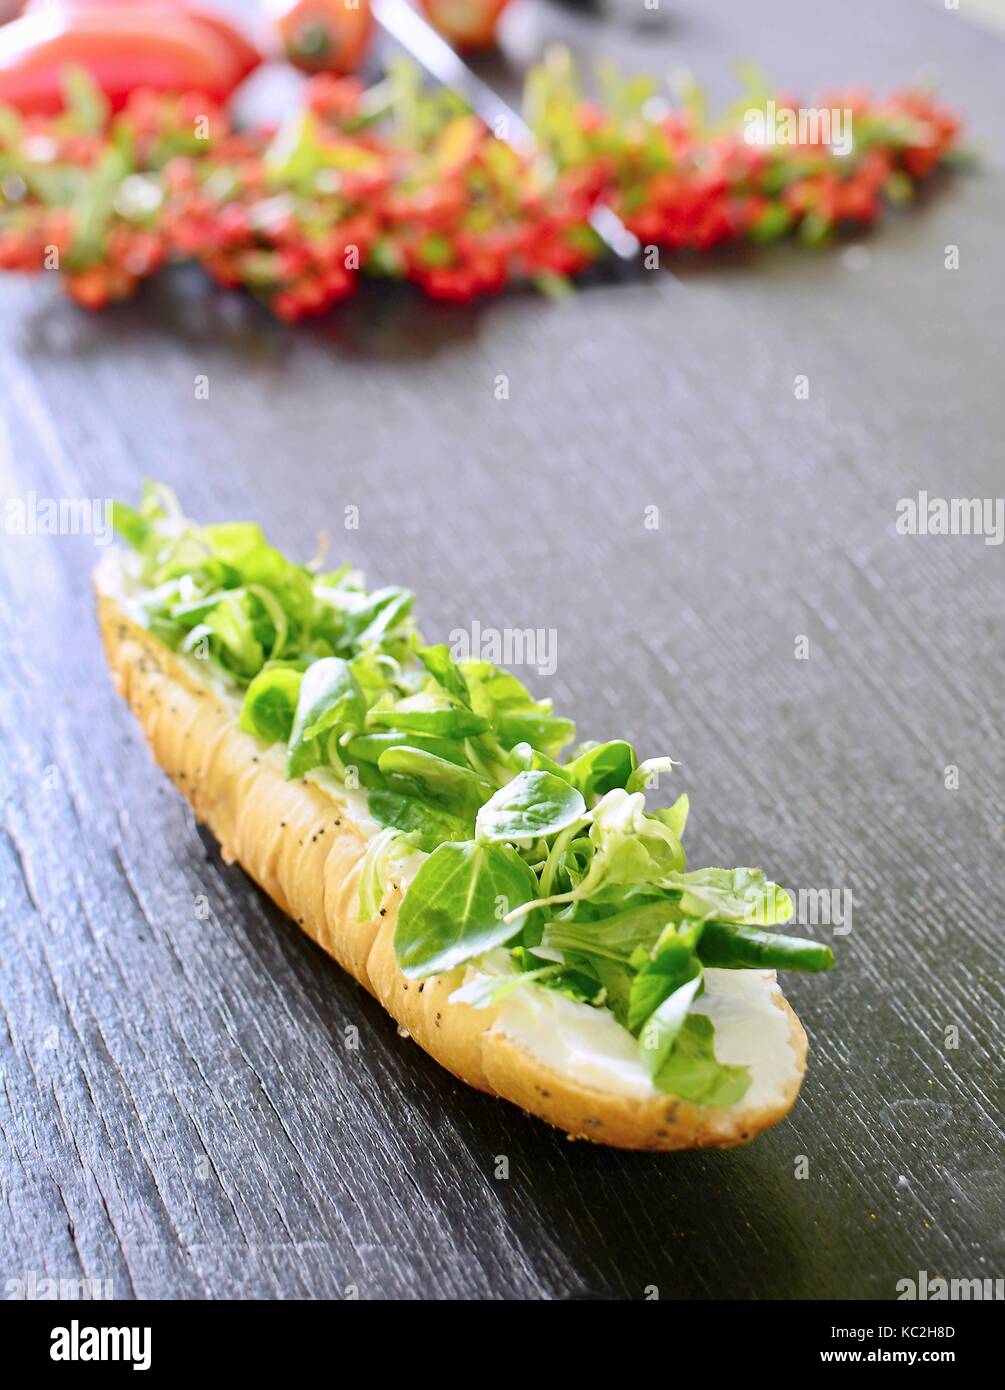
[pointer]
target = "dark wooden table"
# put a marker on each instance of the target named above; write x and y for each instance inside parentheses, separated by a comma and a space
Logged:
(180, 1112)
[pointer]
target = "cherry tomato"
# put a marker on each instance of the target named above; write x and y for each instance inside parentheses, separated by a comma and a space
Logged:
(468, 24)
(323, 35)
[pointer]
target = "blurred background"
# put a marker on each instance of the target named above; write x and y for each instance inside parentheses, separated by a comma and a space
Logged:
(817, 673)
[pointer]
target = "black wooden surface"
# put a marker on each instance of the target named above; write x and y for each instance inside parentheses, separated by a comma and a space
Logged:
(180, 1111)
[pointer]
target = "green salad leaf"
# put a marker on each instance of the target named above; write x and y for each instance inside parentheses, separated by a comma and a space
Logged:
(599, 768)
(387, 845)
(418, 819)
(330, 700)
(544, 731)
(664, 1023)
(433, 777)
(692, 1072)
(368, 748)
(270, 704)
(427, 713)
(533, 805)
(664, 973)
(455, 909)
(441, 665)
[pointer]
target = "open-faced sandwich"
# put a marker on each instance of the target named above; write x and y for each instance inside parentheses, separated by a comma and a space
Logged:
(517, 909)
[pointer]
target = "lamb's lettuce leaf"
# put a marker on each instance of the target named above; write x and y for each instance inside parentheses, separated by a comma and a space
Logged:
(270, 704)
(664, 1023)
(601, 767)
(692, 1072)
(438, 779)
(533, 805)
(330, 700)
(456, 907)
(386, 846)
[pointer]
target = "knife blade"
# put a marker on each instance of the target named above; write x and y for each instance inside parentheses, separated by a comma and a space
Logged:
(407, 27)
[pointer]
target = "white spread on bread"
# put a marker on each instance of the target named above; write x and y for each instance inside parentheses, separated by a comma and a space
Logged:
(588, 1043)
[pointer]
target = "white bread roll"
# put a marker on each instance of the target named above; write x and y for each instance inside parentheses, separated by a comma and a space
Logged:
(569, 1063)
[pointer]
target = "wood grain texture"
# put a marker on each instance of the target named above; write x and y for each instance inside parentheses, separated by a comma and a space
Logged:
(181, 1112)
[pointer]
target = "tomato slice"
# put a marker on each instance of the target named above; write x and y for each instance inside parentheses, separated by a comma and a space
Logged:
(323, 35)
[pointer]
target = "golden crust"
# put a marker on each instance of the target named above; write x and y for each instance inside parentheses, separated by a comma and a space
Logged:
(302, 846)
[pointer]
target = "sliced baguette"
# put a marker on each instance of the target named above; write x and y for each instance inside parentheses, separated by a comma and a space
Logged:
(304, 845)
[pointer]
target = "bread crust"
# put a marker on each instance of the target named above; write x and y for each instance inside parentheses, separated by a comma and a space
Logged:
(304, 847)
